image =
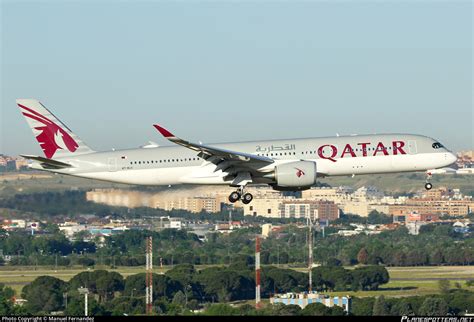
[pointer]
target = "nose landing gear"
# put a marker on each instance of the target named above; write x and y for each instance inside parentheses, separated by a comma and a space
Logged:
(240, 195)
(428, 184)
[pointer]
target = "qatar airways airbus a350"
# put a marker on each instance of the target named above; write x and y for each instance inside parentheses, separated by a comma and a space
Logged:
(290, 164)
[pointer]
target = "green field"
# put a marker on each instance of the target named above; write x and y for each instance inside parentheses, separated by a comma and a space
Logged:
(413, 281)
(404, 281)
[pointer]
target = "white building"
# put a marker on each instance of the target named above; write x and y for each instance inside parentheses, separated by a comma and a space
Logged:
(70, 230)
(264, 207)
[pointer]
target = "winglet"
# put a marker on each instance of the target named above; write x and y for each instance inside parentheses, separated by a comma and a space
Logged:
(167, 134)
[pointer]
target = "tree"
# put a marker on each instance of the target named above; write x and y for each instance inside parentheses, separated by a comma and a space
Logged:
(179, 298)
(50, 228)
(221, 310)
(380, 307)
(6, 303)
(460, 301)
(316, 309)
(100, 282)
(363, 256)
(283, 280)
(369, 277)
(124, 304)
(331, 278)
(75, 306)
(225, 285)
(444, 286)
(163, 286)
(362, 306)
(107, 284)
(183, 273)
(378, 218)
(286, 310)
(333, 262)
(437, 257)
(337, 311)
(434, 306)
(44, 294)
(402, 308)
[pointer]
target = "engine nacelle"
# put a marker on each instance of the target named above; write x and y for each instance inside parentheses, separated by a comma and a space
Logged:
(298, 175)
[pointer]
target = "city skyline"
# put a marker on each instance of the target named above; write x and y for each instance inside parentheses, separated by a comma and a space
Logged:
(208, 70)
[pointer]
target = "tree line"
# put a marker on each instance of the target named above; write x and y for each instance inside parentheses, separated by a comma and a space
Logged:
(435, 245)
(182, 287)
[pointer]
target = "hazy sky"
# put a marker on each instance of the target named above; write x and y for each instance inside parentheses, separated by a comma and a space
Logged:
(239, 70)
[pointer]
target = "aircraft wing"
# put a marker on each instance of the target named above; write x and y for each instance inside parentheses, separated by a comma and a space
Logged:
(232, 162)
(210, 151)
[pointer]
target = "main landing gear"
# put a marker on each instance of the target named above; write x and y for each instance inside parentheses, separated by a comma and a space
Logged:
(428, 184)
(240, 195)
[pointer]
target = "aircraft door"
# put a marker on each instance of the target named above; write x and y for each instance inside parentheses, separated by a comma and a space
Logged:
(412, 147)
(112, 163)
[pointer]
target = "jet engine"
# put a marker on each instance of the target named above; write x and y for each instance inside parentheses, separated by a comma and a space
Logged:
(295, 176)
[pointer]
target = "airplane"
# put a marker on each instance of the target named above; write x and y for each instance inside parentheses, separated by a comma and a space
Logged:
(285, 165)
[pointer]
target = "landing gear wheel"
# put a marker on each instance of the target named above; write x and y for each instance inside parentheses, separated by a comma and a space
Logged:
(247, 198)
(428, 186)
(234, 197)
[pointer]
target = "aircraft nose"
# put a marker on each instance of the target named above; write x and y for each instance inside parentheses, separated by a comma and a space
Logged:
(451, 157)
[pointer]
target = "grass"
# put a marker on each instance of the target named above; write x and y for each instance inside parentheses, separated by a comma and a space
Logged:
(416, 281)
(404, 289)
(440, 272)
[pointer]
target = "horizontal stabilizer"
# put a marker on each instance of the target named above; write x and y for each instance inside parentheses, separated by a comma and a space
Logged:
(48, 163)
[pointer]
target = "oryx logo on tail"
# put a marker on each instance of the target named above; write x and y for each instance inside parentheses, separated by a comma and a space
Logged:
(51, 136)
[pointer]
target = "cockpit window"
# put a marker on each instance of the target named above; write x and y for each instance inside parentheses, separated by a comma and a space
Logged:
(437, 145)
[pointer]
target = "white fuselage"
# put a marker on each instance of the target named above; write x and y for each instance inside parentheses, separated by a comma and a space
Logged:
(334, 156)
